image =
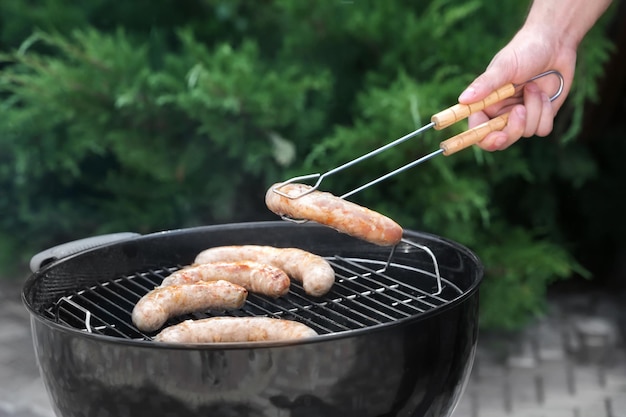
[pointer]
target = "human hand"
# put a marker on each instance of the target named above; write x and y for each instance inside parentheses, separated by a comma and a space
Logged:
(529, 53)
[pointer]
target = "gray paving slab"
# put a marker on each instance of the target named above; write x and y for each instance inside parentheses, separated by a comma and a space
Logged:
(22, 393)
(546, 370)
(571, 363)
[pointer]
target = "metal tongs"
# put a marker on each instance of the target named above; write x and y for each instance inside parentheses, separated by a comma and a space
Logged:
(439, 121)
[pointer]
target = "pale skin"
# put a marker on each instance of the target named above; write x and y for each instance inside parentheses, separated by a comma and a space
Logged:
(548, 40)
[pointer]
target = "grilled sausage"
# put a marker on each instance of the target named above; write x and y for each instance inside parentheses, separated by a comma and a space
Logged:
(162, 303)
(313, 271)
(327, 209)
(253, 276)
(234, 329)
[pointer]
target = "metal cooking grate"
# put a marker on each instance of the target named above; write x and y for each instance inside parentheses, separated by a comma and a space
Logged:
(366, 293)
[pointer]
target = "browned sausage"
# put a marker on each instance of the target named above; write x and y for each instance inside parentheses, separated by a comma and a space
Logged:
(253, 276)
(313, 271)
(234, 329)
(157, 306)
(327, 209)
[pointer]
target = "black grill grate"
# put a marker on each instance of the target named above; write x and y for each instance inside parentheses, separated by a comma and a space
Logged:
(366, 293)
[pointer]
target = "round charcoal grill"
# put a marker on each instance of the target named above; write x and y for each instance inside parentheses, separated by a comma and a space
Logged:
(397, 331)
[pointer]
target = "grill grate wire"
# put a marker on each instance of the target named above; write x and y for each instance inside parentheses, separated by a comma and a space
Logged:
(366, 293)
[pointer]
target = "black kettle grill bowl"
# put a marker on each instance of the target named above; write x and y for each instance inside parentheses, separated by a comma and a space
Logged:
(415, 365)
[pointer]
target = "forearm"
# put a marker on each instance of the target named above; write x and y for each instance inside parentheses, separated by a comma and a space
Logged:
(568, 21)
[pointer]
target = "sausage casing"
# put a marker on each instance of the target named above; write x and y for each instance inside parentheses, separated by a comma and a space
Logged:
(253, 276)
(234, 329)
(162, 303)
(330, 210)
(313, 271)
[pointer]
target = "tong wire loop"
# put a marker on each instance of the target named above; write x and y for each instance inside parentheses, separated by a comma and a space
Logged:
(558, 92)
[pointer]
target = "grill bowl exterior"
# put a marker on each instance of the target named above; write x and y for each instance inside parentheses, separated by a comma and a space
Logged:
(415, 366)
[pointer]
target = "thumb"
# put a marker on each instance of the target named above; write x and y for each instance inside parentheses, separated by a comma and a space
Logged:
(489, 81)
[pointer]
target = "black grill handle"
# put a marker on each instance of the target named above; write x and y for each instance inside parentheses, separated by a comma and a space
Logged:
(63, 250)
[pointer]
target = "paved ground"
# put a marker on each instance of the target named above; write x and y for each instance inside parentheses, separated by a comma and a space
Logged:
(22, 393)
(570, 364)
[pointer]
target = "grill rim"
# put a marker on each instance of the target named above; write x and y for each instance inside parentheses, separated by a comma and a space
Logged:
(100, 338)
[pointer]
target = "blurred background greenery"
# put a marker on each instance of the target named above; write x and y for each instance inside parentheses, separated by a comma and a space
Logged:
(145, 116)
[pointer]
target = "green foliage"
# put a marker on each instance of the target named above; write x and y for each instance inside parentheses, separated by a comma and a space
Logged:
(518, 276)
(184, 116)
(595, 49)
(98, 140)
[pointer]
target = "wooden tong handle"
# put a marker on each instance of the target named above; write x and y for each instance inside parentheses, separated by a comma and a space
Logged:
(473, 136)
(459, 112)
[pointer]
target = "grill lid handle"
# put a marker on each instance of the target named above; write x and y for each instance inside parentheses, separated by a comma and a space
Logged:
(63, 250)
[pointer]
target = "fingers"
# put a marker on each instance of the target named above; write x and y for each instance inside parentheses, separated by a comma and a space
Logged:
(534, 117)
(532, 103)
(546, 122)
(483, 85)
(500, 140)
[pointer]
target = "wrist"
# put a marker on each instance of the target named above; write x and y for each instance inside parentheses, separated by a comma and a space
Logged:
(564, 23)
(556, 33)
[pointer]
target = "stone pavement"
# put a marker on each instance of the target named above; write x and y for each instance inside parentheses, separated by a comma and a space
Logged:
(572, 363)
(22, 393)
